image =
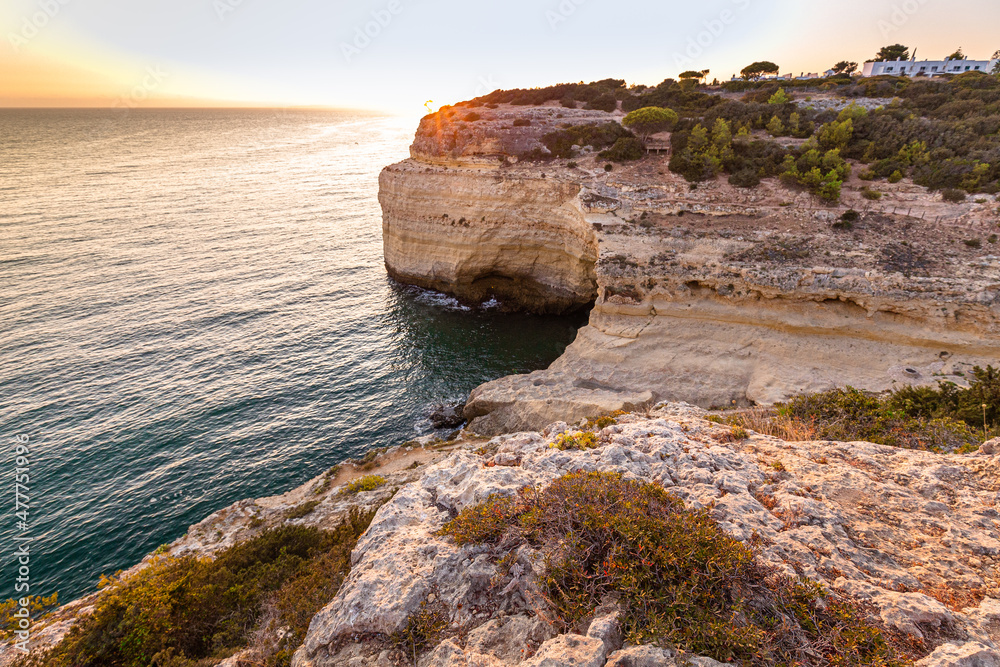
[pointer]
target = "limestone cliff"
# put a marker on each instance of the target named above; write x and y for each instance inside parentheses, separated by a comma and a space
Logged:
(714, 295)
(521, 241)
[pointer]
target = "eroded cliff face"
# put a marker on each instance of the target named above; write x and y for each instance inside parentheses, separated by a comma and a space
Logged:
(714, 295)
(480, 235)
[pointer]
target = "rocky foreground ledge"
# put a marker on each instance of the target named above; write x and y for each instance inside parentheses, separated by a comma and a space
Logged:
(915, 534)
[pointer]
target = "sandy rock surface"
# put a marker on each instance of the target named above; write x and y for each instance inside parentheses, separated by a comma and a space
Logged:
(916, 534)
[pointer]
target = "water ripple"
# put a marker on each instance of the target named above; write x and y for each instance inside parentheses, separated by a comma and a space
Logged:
(194, 310)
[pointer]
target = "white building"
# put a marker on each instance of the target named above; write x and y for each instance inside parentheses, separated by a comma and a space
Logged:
(927, 67)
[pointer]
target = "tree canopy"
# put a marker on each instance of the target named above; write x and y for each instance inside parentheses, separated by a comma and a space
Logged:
(692, 74)
(757, 70)
(893, 52)
(958, 55)
(845, 67)
(648, 121)
(780, 97)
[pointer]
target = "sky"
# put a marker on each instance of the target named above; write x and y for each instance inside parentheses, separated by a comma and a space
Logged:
(395, 55)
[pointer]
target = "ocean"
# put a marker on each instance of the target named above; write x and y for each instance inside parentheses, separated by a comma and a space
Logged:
(194, 310)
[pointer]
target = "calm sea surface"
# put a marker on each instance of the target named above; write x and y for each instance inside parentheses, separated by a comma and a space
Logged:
(194, 310)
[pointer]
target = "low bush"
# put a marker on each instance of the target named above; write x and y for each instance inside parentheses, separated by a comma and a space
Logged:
(560, 142)
(607, 102)
(871, 195)
(945, 419)
(366, 483)
(189, 612)
(302, 510)
(745, 178)
(679, 578)
(625, 149)
(578, 440)
(38, 606)
(953, 195)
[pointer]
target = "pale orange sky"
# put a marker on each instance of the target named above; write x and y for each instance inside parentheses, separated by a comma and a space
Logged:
(396, 54)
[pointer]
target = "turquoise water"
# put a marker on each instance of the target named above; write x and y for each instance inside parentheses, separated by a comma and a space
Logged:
(194, 310)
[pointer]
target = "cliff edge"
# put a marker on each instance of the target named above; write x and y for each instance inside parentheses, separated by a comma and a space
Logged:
(711, 294)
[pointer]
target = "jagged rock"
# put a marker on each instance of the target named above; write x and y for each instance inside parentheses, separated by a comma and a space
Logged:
(447, 654)
(642, 656)
(608, 629)
(569, 651)
(884, 524)
(701, 662)
(508, 639)
(990, 447)
(972, 654)
(448, 416)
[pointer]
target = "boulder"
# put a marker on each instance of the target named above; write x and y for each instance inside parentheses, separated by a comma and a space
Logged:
(569, 651)
(972, 654)
(642, 656)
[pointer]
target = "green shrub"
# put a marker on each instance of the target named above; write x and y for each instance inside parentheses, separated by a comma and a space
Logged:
(38, 606)
(746, 178)
(606, 102)
(775, 127)
(973, 243)
(302, 510)
(871, 195)
(953, 195)
(602, 135)
(600, 423)
(579, 440)
(779, 97)
(624, 150)
(187, 611)
(679, 578)
(896, 176)
(423, 631)
(931, 419)
(648, 121)
(366, 483)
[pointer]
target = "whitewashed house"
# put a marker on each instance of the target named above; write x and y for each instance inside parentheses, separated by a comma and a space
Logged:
(929, 68)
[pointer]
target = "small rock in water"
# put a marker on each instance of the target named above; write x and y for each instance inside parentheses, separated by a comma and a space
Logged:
(448, 416)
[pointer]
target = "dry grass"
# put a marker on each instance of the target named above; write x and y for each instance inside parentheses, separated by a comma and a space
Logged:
(767, 421)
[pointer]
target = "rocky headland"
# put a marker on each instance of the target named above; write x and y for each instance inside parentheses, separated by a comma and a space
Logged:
(711, 294)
